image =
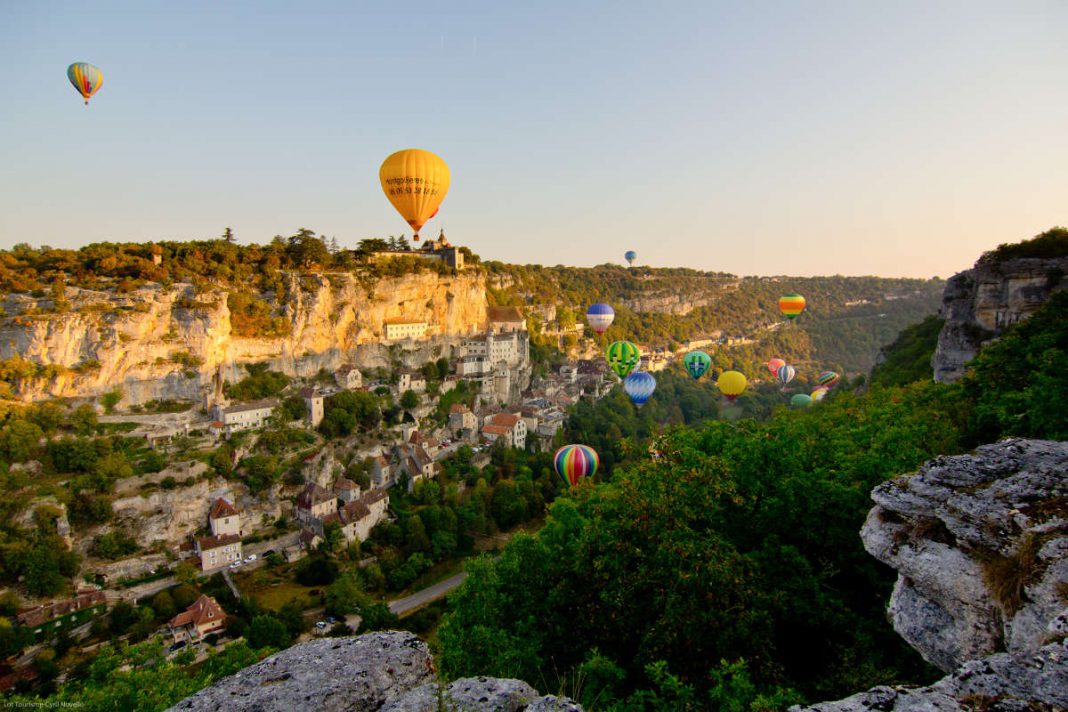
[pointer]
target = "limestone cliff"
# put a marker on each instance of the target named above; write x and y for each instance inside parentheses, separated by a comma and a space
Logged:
(379, 672)
(980, 543)
(170, 341)
(979, 303)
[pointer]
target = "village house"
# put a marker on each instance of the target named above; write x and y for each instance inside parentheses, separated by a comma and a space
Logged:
(461, 418)
(314, 503)
(60, 612)
(215, 552)
(506, 426)
(243, 416)
(430, 444)
(397, 329)
(346, 490)
(356, 517)
(348, 377)
(205, 616)
(415, 461)
(224, 518)
(410, 379)
(505, 319)
(313, 404)
(381, 472)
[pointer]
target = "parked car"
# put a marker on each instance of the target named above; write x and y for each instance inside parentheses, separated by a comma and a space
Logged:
(250, 558)
(320, 625)
(235, 564)
(177, 646)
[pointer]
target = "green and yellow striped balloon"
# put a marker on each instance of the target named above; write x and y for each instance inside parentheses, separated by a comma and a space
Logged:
(791, 305)
(622, 357)
(86, 79)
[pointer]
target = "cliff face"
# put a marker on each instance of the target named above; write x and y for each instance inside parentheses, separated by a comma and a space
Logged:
(979, 303)
(980, 543)
(169, 342)
(378, 672)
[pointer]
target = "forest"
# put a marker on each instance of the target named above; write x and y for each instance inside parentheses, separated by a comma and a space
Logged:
(723, 571)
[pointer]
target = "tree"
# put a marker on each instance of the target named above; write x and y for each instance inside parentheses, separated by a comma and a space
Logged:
(20, 439)
(333, 537)
(343, 596)
(266, 631)
(83, 420)
(111, 399)
(409, 399)
(163, 605)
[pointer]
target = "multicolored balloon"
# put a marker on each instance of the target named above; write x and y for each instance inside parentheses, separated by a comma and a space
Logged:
(639, 386)
(416, 182)
(622, 357)
(786, 374)
(731, 384)
(791, 305)
(86, 79)
(630, 256)
(774, 365)
(800, 400)
(697, 363)
(573, 462)
(819, 394)
(600, 316)
(829, 379)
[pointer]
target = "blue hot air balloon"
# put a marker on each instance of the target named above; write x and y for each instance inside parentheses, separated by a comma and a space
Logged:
(630, 256)
(639, 386)
(600, 316)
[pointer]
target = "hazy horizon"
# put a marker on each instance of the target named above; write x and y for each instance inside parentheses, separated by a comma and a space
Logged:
(766, 140)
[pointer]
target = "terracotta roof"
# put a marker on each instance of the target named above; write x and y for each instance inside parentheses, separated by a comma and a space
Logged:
(374, 495)
(41, 614)
(510, 314)
(307, 536)
(458, 408)
(221, 509)
(506, 419)
(344, 483)
(309, 393)
(402, 320)
(208, 543)
(217, 424)
(345, 368)
(204, 610)
(313, 494)
(354, 512)
(496, 429)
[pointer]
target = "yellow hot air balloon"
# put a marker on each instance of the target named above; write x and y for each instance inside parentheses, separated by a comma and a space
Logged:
(731, 384)
(416, 182)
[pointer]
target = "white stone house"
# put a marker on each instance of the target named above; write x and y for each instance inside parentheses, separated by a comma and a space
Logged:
(215, 552)
(244, 416)
(348, 377)
(224, 518)
(313, 404)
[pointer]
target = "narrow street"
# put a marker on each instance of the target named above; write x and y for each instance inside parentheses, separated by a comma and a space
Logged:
(428, 594)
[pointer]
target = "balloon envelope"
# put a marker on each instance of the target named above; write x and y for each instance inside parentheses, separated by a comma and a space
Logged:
(819, 394)
(697, 363)
(731, 384)
(416, 182)
(600, 317)
(639, 386)
(630, 256)
(573, 462)
(86, 79)
(791, 305)
(775, 364)
(829, 379)
(622, 357)
(786, 374)
(800, 400)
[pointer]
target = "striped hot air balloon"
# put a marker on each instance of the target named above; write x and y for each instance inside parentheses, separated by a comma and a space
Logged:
(697, 363)
(573, 462)
(791, 305)
(639, 386)
(774, 365)
(600, 316)
(86, 79)
(828, 379)
(818, 394)
(622, 357)
(786, 374)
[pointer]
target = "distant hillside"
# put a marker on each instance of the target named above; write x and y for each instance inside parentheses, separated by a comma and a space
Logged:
(846, 322)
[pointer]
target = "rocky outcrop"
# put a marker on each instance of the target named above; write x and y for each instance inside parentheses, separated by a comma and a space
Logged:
(979, 303)
(980, 543)
(378, 672)
(169, 342)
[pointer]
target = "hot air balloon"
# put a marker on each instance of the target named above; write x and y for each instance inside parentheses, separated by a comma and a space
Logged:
(786, 374)
(639, 386)
(573, 462)
(600, 317)
(416, 182)
(828, 379)
(800, 400)
(791, 305)
(622, 357)
(86, 79)
(697, 363)
(818, 394)
(630, 256)
(774, 365)
(731, 384)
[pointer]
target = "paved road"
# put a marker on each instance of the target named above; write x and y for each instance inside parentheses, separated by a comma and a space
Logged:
(431, 593)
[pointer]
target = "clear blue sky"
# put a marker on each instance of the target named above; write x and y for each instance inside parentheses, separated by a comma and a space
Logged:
(751, 137)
